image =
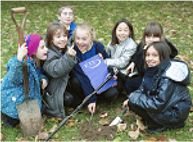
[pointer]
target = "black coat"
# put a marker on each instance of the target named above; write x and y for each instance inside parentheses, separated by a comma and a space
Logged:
(168, 101)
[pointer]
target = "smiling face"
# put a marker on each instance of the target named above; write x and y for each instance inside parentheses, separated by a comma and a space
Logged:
(66, 16)
(122, 31)
(83, 39)
(60, 39)
(152, 57)
(42, 51)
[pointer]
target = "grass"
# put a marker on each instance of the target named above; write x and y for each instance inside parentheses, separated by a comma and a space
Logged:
(176, 18)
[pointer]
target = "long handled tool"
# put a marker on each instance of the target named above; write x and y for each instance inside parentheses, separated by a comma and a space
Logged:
(19, 27)
(28, 111)
(109, 76)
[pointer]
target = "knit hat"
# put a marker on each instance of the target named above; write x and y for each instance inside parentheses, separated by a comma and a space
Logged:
(32, 42)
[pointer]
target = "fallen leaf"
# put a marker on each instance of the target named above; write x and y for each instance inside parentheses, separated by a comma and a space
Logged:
(140, 125)
(21, 139)
(53, 129)
(191, 130)
(133, 127)
(161, 138)
(172, 140)
(151, 139)
(121, 127)
(191, 109)
(104, 121)
(1, 137)
(43, 135)
(103, 114)
(134, 134)
(71, 122)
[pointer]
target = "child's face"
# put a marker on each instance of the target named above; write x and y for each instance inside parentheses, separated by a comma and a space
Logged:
(67, 16)
(42, 51)
(151, 39)
(83, 39)
(60, 39)
(122, 31)
(152, 57)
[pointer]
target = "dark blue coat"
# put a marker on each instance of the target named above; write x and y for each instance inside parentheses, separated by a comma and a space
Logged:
(166, 99)
(79, 74)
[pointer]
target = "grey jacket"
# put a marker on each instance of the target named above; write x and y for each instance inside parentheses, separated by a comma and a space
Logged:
(58, 67)
(120, 54)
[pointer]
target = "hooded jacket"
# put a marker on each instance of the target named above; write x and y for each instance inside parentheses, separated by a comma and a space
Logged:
(168, 101)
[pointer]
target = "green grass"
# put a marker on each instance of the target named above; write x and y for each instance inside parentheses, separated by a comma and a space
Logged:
(177, 21)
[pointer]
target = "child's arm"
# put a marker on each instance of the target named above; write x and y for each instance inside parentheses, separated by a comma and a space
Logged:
(155, 102)
(123, 60)
(14, 71)
(58, 67)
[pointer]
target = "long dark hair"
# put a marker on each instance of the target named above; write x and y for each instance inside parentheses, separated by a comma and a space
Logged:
(114, 37)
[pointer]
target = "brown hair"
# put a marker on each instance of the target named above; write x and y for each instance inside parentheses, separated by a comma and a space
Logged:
(114, 37)
(162, 48)
(153, 28)
(64, 7)
(52, 29)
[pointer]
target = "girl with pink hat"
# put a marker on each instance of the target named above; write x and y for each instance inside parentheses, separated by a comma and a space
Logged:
(12, 88)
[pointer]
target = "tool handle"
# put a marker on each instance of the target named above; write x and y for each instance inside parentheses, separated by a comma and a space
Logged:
(19, 10)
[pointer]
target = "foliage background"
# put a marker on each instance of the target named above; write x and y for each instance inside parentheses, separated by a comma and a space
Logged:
(175, 17)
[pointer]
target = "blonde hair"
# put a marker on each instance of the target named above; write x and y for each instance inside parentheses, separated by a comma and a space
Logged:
(64, 7)
(87, 27)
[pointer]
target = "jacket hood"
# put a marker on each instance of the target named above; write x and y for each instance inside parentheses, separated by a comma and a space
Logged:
(178, 71)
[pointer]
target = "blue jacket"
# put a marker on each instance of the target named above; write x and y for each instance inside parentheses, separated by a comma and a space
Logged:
(166, 98)
(12, 92)
(71, 30)
(79, 74)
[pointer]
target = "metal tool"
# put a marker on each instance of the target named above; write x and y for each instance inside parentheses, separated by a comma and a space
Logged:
(119, 119)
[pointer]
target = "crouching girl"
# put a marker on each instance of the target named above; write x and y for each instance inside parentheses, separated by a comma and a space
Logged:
(163, 99)
(12, 88)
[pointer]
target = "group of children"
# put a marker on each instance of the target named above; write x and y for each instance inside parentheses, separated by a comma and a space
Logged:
(156, 84)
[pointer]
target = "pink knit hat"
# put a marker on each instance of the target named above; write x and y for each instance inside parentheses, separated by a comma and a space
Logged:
(32, 42)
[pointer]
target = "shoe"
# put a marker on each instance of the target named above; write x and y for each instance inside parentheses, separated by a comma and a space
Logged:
(9, 121)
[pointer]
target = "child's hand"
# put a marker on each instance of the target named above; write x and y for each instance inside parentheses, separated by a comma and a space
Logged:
(100, 55)
(131, 67)
(92, 107)
(44, 83)
(125, 103)
(71, 51)
(22, 52)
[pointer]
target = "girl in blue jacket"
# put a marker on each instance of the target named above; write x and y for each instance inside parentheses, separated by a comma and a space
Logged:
(12, 91)
(86, 47)
(163, 99)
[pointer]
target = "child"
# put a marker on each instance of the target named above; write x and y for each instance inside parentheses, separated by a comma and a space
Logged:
(153, 32)
(12, 91)
(58, 65)
(66, 17)
(122, 46)
(163, 100)
(86, 47)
